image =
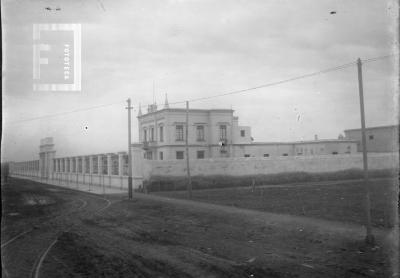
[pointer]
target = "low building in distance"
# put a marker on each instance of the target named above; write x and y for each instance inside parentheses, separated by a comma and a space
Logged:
(379, 138)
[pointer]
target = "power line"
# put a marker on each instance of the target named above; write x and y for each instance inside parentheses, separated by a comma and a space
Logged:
(290, 79)
(273, 83)
(65, 113)
(379, 58)
(341, 67)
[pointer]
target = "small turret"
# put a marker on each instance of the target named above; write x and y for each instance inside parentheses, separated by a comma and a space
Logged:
(140, 110)
(166, 104)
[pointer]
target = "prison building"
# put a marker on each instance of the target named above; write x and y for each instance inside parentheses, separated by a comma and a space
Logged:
(379, 138)
(216, 133)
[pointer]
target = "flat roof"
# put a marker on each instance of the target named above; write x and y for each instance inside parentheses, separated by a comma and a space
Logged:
(373, 127)
(184, 110)
(305, 142)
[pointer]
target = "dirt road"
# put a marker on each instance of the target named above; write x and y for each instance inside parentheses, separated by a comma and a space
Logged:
(154, 237)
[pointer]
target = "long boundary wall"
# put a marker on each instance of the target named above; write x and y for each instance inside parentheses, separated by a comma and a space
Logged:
(110, 170)
(257, 166)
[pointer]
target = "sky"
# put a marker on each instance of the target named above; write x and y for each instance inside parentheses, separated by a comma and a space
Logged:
(188, 49)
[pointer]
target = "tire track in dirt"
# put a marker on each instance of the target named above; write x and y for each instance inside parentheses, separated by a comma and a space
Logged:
(29, 242)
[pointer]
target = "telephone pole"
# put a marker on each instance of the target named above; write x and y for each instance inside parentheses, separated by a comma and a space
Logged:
(189, 185)
(370, 237)
(129, 150)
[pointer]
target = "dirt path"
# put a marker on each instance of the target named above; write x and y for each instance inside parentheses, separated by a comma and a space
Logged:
(152, 236)
(43, 213)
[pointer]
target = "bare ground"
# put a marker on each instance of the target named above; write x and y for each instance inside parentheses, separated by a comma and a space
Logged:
(151, 236)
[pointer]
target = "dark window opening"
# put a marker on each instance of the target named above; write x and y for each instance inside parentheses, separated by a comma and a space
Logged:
(152, 134)
(200, 154)
(371, 137)
(179, 155)
(149, 155)
(200, 133)
(161, 134)
(243, 133)
(246, 155)
(161, 155)
(334, 152)
(179, 133)
(222, 132)
(285, 154)
(266, 155)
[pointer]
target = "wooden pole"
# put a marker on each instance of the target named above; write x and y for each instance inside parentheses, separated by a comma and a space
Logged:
(189, 182)
(369, 238)
(129, 150)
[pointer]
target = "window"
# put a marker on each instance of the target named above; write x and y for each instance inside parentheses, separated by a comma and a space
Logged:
(161, 134)
(179, 133)
(285, 154)
(200, 154)
(179, 155)
(246, 155)
(200, 133)
(222, 132)
(151, 134)
(144, 135)
(371, 137)
(334, 152)
(148, 155)
(266, 155)
(243, 133)
(73, 165)
(161, 155)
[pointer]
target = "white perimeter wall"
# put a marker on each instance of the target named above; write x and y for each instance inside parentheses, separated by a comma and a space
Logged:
(256, 165)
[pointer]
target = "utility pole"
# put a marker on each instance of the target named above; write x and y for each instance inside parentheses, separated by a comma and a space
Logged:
(369, 238)
(129, 150)
(189, 185)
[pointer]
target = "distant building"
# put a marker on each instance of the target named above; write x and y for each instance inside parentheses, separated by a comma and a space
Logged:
(212, 133)
(300, 148)
(216, 133)
(379, 138)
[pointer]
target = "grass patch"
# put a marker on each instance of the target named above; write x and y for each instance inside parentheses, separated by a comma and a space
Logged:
(166, 183)
(340, 201)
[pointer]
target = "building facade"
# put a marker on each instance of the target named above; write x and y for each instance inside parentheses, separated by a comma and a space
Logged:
(216, 133)
(379, 139)
(211, 133)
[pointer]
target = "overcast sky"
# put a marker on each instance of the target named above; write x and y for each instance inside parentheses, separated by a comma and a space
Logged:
(191, 49)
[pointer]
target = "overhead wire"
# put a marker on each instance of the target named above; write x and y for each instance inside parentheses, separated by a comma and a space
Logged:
(65, 113)
(275, 83)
